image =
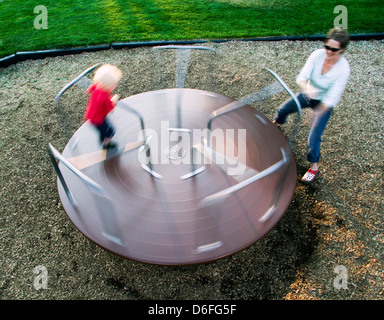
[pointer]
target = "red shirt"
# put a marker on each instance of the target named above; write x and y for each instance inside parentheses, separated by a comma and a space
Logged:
(99, 105)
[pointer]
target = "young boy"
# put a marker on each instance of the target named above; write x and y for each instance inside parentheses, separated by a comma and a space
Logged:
(101, 103)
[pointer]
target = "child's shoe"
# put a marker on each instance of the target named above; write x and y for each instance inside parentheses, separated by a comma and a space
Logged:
(110, 145)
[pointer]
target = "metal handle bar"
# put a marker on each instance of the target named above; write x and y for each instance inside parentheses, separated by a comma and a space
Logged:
(92, 184)
(221, 195)
(70, 84)
(277, 77)
(128, 108)
(252, 98)
(257, 96)
(181, 69)
(224, 110)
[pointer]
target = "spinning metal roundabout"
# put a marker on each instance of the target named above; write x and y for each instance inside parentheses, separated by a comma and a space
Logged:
(198, 175)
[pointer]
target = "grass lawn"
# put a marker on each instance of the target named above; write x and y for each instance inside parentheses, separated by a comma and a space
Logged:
(85, 22)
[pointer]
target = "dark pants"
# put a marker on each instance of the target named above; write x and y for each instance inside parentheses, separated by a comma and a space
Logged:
(319, 122)
(106, 130)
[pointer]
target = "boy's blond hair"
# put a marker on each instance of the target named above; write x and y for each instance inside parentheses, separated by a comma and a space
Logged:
(107, 76)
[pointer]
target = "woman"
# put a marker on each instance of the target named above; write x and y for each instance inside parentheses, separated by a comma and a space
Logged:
(322, 82)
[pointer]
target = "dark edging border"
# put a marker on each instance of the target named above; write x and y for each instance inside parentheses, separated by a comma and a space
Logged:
(33, 55)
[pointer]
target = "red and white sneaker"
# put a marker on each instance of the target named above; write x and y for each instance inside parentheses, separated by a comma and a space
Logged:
(309, 176)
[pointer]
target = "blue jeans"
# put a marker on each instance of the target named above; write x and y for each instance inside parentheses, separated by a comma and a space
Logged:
(319, 122)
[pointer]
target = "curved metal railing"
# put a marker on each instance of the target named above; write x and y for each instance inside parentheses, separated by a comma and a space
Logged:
(74, 81)
(295, 129)
(182, 63)
(220, 196)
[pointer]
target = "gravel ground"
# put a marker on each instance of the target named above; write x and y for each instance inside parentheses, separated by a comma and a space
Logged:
(337, 221)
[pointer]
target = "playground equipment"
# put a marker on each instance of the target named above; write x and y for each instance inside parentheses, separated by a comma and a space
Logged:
(198, 175)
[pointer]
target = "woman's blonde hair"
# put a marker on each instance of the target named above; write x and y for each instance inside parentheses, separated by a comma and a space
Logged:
(107, 76)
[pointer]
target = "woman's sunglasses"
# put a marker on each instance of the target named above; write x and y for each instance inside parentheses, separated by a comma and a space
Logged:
(332, 49)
